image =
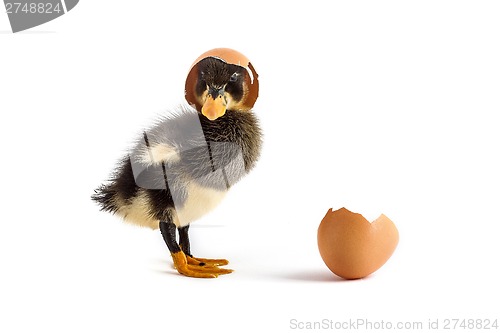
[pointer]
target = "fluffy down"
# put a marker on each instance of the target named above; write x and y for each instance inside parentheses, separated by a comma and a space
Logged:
(181, 167)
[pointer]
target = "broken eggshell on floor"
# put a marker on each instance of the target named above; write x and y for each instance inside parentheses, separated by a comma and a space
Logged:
(352, 247)
(230, 56)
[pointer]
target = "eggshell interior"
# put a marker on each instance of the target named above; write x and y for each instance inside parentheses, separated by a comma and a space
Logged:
(352, 247)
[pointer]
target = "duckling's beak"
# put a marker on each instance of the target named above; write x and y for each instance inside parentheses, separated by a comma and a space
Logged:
(215, 104)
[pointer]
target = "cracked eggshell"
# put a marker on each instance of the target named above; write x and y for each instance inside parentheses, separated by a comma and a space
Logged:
(352, 247)
(230, 56)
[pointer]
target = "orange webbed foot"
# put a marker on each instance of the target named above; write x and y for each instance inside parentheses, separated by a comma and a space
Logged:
(199, 268)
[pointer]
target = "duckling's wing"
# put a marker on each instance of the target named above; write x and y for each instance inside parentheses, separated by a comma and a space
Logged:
(171, 135)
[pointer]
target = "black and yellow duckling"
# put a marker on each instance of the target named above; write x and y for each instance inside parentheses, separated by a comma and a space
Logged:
(182, 167)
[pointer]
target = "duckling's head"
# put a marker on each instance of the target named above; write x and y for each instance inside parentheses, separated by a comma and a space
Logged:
(220, 81)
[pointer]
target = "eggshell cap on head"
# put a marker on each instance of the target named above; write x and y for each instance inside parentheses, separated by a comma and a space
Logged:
(229, 56)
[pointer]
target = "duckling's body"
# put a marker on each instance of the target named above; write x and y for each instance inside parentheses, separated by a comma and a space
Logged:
(200, 158)
(182, 167)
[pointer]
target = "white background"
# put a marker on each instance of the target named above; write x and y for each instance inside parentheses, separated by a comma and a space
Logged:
(379, 106)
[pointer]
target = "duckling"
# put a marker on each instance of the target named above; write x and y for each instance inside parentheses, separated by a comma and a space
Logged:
(181, 168)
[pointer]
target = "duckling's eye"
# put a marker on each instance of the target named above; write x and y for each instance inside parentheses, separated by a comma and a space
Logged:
(233, 77)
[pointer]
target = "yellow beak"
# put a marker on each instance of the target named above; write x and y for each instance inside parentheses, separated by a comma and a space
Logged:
(213, 108)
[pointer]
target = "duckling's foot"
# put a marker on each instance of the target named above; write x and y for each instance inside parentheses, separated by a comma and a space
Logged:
(206, 262)
(193, 270)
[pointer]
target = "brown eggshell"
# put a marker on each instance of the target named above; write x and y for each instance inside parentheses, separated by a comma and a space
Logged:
(352, 247)
(230, 56)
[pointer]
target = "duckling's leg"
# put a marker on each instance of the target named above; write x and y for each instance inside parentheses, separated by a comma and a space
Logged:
(180, 261)
(184, 243)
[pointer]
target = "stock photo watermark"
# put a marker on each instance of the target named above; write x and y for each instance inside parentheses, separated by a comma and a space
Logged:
(25, 15)
(363, 324)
